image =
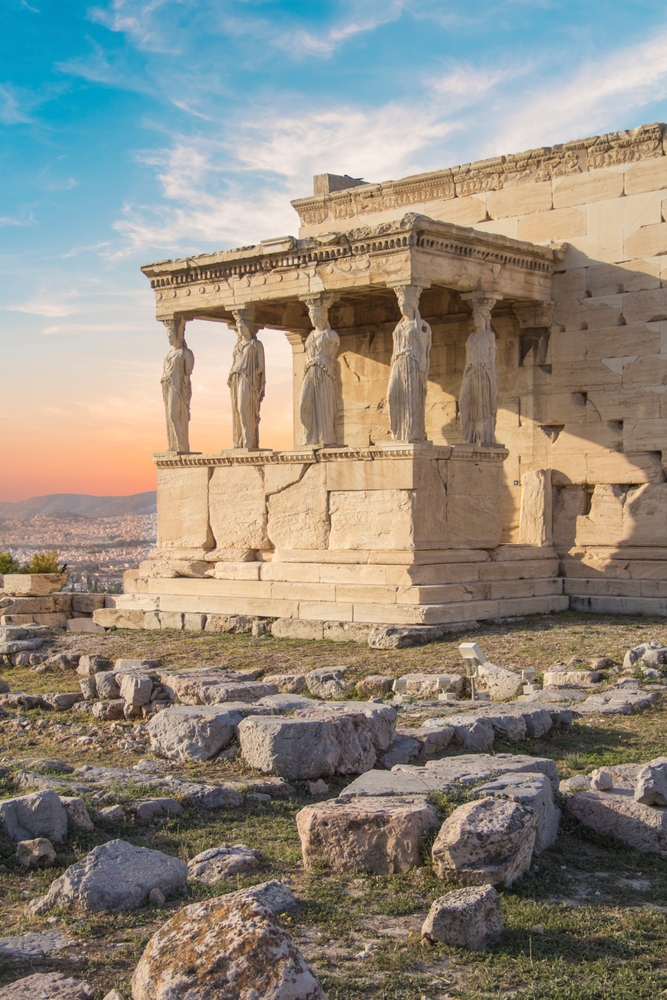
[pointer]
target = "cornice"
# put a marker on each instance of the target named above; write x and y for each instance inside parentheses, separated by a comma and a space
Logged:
(412, 231)
(542, 164)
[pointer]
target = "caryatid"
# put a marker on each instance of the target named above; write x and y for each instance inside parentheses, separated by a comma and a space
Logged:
(177, 386)
(409, 368)
(317, 405)
(478, 404)
(247, 381)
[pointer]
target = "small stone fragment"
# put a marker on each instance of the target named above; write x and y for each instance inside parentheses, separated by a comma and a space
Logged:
(156, 897)
(375, 685)
(220, 862)
(601, 780)
(327, 682)
(35, 853)
(47, 986)
(112, 814)
(465, 918)
(77, 814)
(318, 787)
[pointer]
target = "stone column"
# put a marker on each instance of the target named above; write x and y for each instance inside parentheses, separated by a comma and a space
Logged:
(478, 402)
(406, 393)
(247, 380)
(177, 386)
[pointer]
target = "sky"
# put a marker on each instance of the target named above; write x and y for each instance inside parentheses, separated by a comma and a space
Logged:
(138, 130)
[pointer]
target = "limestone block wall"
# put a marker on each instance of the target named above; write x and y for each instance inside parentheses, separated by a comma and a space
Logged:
(591, 405)
(371, 499)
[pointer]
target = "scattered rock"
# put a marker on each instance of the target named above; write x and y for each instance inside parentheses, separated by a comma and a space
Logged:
(307, 748)
(230, 948)
(46, 764)
(327, 682)
(473, 732)
(618, 701)
(380, 835)
(651, 788)
(465, 918)
(77, 814)
(502, 684)
(149, 809)
(220, 862)
(35, 853)
(652, 654)
(601, 663)
(109, 710)
(486, 842)
(115, 876)
(91, 665)
(47, 986)
(4, 686)
(534, 790)
(193, 732)
(287, 683)
(570, 678)
(577, 783)
(136, 664)
(403, 750)
(381, 718)
(135, 689)
(38, 814)
(156, 897)
(62, 701)
(616, 814)
(602, 780)
(318, 787)
(374, 686)
(111, 814)
(88, 688)
(107, 686)
(32, 945)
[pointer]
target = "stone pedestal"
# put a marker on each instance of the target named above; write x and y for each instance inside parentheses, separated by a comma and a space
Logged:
(397, 534)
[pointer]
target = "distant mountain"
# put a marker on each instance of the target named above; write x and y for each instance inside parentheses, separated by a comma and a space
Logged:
(81, 504)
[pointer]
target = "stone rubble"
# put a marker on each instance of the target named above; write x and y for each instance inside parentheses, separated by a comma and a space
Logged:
(35, 853)
(47, 986)
(39, 814)
(217, 863)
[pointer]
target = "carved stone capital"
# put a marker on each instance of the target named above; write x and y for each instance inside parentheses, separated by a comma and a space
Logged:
(481, 299)
(245, 316)
(175, 328)
(534, 315)
(324, 299)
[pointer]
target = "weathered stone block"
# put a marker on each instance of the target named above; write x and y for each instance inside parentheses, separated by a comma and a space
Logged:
(298, 517)
(379, 835)
(469, 918)
(237, 507)
(189, 732)
(33, 584)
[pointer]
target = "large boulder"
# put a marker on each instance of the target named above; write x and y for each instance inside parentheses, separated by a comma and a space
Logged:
(47, 986)
(651, 787)
(615, 813)
(307, 748)
(135, 689)
(473, 732)
(115, 876)
(486, 842)
(327, 682)
(40, 814)
(381, 835)
(381, 718)
(534, 790)
(192, 732)
(502, 684)
(465, 918)
(227, 948)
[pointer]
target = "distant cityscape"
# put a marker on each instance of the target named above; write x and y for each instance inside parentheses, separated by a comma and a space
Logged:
(96, 549)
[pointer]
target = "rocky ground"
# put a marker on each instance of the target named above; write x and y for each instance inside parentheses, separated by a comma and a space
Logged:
(586, 922)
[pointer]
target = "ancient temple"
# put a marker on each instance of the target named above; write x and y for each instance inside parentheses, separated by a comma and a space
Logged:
(478, 382)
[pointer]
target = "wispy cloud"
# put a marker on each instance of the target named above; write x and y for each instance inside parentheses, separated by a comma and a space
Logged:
(16, 103)
(7, 221)
(367, 15)
(46, 304)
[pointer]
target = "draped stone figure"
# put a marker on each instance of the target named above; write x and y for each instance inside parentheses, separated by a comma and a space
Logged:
(247, 382)
(409, 369)
(478, 403)
(317, 405)
(177, 386)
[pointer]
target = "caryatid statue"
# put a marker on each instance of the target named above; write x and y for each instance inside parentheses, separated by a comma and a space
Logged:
(478, 403)
(247, 381)
(409, 368)
(177, 386)
(317, 406)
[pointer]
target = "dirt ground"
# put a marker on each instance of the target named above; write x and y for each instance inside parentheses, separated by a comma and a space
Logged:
(601, 906)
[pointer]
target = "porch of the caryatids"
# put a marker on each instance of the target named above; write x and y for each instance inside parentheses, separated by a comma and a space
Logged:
(478, 402)
(408, 377)
(317, 403)
(247, 380)
(177, 386)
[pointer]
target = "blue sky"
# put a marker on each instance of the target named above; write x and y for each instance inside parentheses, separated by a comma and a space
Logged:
(136, 130)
